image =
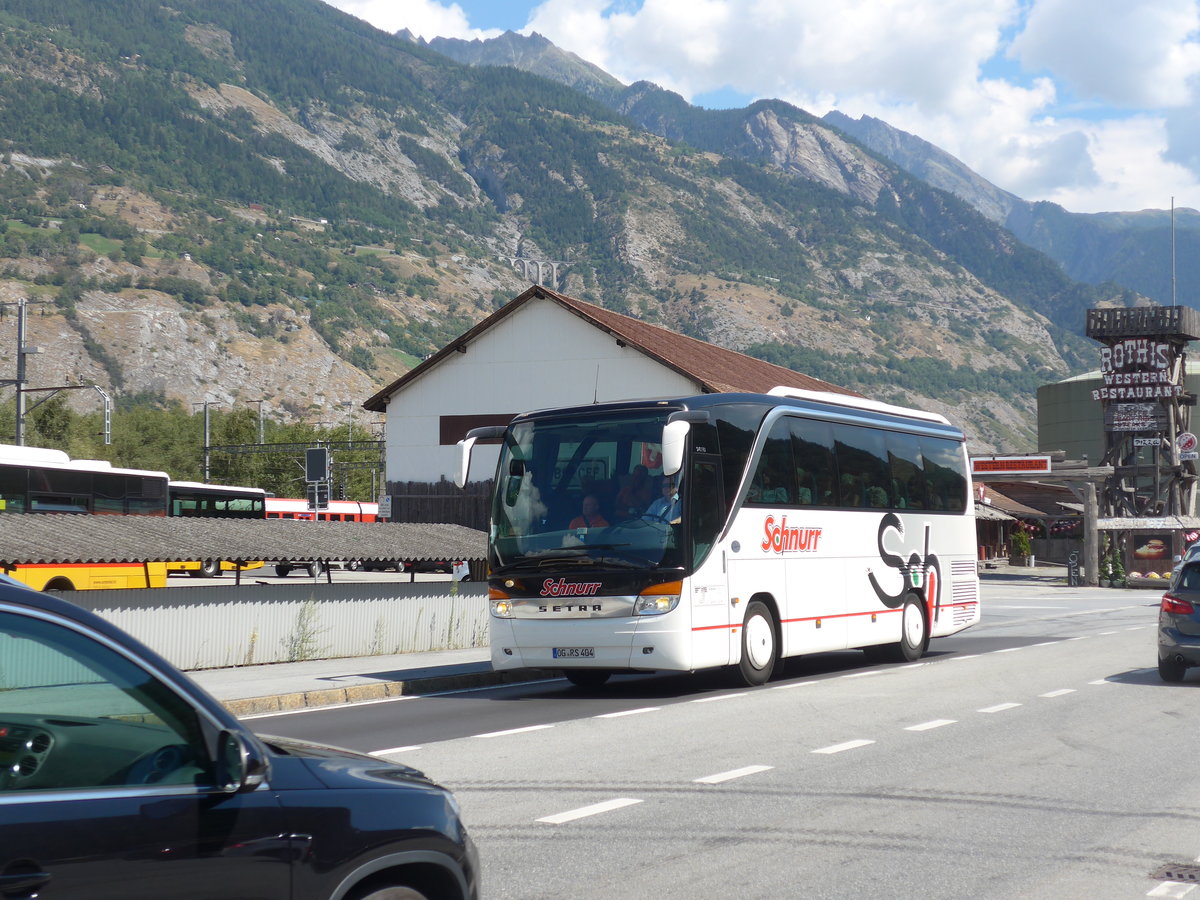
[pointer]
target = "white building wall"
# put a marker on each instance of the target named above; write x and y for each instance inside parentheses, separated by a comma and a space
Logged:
(538, 357)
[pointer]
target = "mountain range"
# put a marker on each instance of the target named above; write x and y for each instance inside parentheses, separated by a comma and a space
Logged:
(214, 201)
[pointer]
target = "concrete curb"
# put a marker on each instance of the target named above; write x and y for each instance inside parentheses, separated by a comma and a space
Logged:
(381, 690)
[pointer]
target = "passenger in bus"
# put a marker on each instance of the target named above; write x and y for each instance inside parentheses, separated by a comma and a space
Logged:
(804, 493)
(636, 493)
(666, 507)
(590, 516)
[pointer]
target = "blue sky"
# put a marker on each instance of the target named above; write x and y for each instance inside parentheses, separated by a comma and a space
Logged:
(1091, 104)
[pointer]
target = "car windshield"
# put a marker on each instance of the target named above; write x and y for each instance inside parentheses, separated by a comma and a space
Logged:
(589, 490)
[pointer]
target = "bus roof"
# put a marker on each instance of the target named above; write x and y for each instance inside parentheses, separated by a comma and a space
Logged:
(814, 403)
(215, 488)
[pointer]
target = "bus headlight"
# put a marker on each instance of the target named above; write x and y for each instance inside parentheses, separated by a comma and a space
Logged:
(501, 604)
(658, 599)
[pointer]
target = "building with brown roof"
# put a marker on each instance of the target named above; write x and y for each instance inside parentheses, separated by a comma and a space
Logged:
(545, 349)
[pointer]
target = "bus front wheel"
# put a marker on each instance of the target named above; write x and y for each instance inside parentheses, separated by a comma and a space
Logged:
(587, 678)
(760, 649)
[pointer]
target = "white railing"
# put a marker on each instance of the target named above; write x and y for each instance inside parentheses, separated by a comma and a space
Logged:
(215, 627)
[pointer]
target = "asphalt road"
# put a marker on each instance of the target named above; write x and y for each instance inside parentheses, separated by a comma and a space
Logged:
(1036, 755)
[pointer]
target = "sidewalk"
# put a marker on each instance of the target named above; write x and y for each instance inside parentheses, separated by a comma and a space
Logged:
(249, 690)
(277, 687)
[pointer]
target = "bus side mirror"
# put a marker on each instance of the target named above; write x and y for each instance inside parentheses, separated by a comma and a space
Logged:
(674, 442)
(483, 433)
(464, 466)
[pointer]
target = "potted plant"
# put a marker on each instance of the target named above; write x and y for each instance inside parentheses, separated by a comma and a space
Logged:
(1020, 554)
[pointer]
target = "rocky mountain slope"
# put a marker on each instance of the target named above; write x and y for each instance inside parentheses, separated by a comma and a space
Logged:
(209, 201)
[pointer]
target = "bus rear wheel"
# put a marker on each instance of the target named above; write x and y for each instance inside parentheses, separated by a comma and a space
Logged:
(914, 633)
(210, 568)
(760, 649)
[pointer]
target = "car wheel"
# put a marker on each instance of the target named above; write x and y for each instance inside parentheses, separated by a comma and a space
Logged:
(316, 568)
(282, 571)
(760, 649)
(392, 893)
(587, 678)
(1171, 670)
(210, 568)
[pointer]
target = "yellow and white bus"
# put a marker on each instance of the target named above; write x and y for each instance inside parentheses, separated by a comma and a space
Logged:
(779, 524)
(38, 480)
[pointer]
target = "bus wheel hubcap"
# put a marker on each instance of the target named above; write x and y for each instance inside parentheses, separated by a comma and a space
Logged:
(914, 625)
(760, 641)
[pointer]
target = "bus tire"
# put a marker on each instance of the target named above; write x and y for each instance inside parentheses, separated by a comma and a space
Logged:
(914, 631)
(282, 570)
(210, 568)
(760, 644)
(587, 678)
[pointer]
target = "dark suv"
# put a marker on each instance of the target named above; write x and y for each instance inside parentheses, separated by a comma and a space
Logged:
(120, 778)
(1179, 624)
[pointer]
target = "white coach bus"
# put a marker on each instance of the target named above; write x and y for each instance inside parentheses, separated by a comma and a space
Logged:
(773, 525)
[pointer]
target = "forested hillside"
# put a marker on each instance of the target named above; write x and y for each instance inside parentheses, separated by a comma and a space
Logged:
(278, 203)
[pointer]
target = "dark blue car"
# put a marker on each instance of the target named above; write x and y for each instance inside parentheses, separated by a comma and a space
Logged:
(1179, 624)
(120, 778)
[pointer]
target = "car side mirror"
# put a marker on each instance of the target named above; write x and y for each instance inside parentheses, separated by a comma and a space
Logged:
(241, 765)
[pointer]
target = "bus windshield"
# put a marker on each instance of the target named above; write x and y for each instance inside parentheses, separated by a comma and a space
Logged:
(589, 490)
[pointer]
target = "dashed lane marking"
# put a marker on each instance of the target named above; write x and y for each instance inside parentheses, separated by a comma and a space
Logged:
(508, 731)
(629, 712)
(848, 745)
(594, 810)
(732, 774)
(933, 723)
(392, 750)
(999, 707)
(1061, 692)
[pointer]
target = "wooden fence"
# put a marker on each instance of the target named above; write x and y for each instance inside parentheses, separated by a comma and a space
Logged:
(441, 501)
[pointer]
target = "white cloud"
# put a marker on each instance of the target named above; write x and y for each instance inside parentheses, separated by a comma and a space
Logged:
(1120, 52)
(424, 18)
(1014, 88)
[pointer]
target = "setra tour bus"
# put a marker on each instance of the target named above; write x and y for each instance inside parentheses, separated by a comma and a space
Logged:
(39, 480)
(773, 525)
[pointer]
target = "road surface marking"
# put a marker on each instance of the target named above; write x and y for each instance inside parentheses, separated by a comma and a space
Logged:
(729, 776)
(718, 697)
(863, 674)
(508, 731)
(594, 810)
(849, 745)
(999, 707)
(629, 712)
(1172, 889)
(1061, 692)
(391, 750)
(933, 723)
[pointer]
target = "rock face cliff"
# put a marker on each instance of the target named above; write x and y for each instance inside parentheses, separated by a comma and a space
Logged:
(297, 215)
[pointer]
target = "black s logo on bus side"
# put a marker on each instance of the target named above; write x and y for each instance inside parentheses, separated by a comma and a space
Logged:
(918, 572)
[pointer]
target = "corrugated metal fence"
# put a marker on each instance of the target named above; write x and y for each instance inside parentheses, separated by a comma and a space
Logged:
(215, 627)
